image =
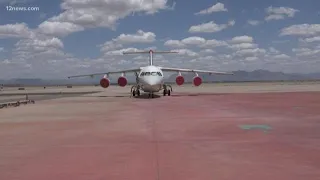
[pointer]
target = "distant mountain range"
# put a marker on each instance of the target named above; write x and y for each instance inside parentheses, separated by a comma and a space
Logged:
(239, 76)
(245, 76)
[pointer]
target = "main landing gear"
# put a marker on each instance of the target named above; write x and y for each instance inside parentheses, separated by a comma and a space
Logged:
(135, 90)
(166, 90)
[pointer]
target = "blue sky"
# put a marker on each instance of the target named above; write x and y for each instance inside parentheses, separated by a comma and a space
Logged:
(68, 37)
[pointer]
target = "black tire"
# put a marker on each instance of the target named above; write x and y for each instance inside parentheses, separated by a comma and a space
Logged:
(169, 93)
(138, 93)
(164, 92)
(133, 93)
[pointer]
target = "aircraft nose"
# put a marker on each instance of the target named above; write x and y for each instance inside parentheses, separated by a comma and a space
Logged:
(152, 82)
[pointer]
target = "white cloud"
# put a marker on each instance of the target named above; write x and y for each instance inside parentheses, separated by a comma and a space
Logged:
(105, 13)
(139, 37)
(39, 44)
(306, 51)
(290, 12)
(212, 43)
(243, 46)
(18, 30)
(251, 58)
(274, 17)
(37, 56)
(241, 39)
(194, 40)
(210, 27)
(253, 22)
(120, 51)
(301, 30)
(272, 50)
(310, 40)
(13, 2)
(109, 45)
(281, 56)
(174, 43)
(197, 41)
(186, 52)
(219, 7)
(123, 39)
(40, 52)
(250, 52)
(207, 51)
(59, 28)
(277, 13)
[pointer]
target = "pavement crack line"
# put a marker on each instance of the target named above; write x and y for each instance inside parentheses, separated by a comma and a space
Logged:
(156, 142)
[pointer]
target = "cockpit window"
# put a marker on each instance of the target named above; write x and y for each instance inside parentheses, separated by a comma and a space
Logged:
(150, 74)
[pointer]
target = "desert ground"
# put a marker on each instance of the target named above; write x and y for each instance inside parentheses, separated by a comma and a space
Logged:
(215, 131)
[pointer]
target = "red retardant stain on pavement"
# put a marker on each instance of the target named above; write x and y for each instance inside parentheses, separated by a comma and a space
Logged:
(168, 138)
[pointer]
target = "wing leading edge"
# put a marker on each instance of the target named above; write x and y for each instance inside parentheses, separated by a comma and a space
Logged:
(107, 73)
(194, 70)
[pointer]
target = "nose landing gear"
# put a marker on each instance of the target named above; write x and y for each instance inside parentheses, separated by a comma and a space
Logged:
(151, 95)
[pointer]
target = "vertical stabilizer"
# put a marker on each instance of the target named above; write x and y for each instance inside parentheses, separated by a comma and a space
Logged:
(150, 58)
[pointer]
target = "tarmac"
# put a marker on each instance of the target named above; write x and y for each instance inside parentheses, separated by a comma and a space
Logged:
(223, 131)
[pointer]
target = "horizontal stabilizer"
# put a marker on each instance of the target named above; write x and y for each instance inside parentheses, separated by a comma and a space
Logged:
(148, 52)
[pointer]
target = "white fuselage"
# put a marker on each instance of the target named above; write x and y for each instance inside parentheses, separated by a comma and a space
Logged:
(150, 79)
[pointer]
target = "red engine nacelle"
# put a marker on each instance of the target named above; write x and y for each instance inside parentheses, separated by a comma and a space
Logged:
(104, 82)
(179, 80)
(197, 81)
(122, 81)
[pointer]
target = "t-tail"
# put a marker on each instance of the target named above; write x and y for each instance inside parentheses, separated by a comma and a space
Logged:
(150, 52)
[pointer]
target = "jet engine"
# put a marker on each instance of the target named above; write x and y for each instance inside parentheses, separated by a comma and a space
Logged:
(179, 80)
(104, 82)
(197, 81)
(122, 81)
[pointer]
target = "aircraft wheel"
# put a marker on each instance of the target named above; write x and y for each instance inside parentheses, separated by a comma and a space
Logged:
(133, 93)
(169, 92)
(152, 95)
(164, 92)
(138, 93)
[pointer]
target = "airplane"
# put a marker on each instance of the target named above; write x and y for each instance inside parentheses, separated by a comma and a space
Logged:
(150, 79)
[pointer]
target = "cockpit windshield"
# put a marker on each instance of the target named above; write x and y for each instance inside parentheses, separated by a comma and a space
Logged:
(151, 74)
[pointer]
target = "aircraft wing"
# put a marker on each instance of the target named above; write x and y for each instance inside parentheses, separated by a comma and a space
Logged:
(111, 72)
(194, 70)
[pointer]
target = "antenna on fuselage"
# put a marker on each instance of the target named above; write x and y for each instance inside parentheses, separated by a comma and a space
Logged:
(150, 52)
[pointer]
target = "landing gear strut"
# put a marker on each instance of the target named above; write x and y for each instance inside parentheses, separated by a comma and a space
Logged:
(166, 90)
